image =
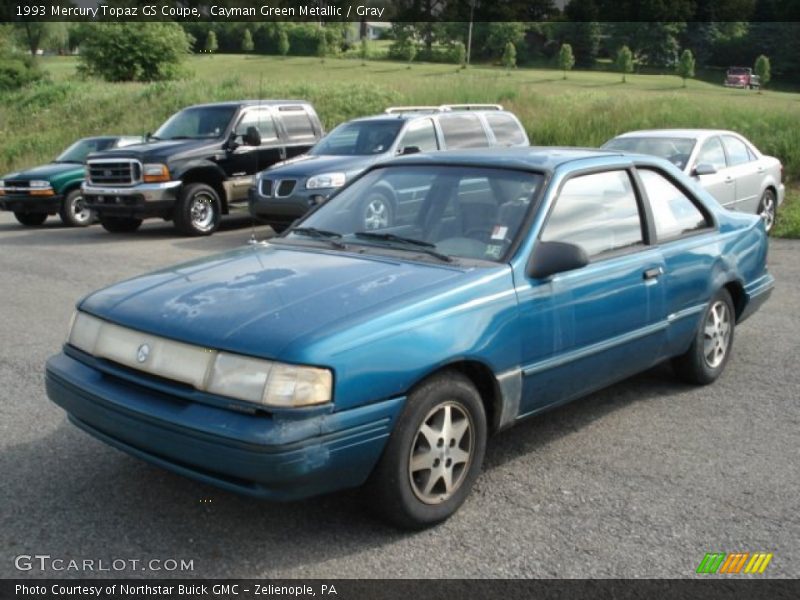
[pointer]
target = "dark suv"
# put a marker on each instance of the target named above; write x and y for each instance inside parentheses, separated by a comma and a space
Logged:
(289, 189)
(198, 165)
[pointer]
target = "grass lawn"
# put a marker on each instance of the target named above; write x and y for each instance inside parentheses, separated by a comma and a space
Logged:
(586, 109)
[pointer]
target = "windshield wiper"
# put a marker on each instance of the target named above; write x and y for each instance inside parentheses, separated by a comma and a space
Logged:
(323, 234)
(421, 245)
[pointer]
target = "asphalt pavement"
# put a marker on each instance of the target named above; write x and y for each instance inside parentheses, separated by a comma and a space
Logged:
(638, 480)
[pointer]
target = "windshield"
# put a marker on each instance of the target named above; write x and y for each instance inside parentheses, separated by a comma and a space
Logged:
(195, 123)
(675, 150)
(433, 211)
(79, 150)
(359, 138)
(738, 71)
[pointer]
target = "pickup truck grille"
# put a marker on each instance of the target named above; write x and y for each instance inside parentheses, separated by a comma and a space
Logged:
(114, 172)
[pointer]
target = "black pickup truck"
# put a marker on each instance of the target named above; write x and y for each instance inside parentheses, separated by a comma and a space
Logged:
(198, 165)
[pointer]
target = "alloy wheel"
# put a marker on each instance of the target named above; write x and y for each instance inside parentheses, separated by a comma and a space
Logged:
(717, 334)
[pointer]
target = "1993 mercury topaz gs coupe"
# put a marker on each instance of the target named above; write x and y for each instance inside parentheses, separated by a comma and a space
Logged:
(510, 281)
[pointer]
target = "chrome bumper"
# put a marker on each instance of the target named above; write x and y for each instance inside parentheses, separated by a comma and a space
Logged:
(149, 192)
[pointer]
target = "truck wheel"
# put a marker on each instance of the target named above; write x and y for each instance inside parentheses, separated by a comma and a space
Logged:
(198, 210)
(30, 219)
(434, 454)
(119, 224)
(74, 212)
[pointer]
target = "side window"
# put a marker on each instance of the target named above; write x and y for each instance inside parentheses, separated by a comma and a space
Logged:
(297, 123)
(597, 212)
(674, 213)
(261, 119)
(420, 134)
(463, 131)
(506, 130)
(737, 151)
(712, 154)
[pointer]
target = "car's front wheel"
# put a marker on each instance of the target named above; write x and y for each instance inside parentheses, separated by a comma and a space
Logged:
(434, 453)
(377, 211)
(30, 219)
(119, 224)
(711, 348)
(74, 212)
(198, 210)
(768, 208)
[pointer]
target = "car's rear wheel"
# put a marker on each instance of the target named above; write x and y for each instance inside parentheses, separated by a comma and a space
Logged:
(768, 208)
(434, 454)
(74, 212)
(711, 348)
(119, 224)
(30, 219)
(198, 211)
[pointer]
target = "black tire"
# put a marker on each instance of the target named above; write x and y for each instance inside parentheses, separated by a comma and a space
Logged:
(395, 490)
(73, 210)
(198, 210)
(119, 224)
(703, 363)
(768, 209)
(30, 219)
(377, 211)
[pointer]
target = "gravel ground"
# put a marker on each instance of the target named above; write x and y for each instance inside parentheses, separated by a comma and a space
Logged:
(639, 480)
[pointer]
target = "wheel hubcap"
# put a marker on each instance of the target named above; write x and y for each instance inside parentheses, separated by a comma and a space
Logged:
(717, 334)
(441, 454)
(376, 216)
(201, 212)
(80, 211)
(768, 211)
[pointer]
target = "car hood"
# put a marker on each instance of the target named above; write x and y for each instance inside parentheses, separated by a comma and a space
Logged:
(308, 165)
(46, 172)
(258, 300)
(160, 151)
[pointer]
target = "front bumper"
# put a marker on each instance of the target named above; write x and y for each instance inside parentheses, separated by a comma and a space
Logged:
(288, 208)
(781, 193)
(25, 203)
(140, 201)
(279, 456)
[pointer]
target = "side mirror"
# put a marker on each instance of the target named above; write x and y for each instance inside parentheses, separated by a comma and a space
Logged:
(704, 169)
(410, 150)
(252, 137)
(550, 258)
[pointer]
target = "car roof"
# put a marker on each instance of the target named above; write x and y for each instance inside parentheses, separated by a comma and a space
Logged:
(423, 114)
(677, 133)
(238, 103)
(532, 158)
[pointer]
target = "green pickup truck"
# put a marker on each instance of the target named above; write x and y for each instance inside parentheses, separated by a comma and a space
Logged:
(35, 193)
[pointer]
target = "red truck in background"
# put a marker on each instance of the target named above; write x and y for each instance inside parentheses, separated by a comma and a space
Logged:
(742, 77)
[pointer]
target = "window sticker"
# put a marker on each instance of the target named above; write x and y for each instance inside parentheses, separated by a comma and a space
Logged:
(494, 251)
(499, 232)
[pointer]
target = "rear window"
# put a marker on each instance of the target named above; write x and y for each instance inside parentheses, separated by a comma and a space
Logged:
(506, 130)
(463, 131)
(297, 122)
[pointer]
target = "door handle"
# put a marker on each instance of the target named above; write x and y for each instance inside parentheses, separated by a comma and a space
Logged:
(729, 179)
(653, 273)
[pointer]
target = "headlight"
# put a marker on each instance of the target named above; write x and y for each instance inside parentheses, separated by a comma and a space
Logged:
(39, 184)
(40, 187)
(263, 382)
(155, 173)
(2, 186)
(325, 180)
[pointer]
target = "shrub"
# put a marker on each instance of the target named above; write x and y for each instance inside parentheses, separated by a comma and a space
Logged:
(17, 71)
(624, 61)
(762, 69)
(566, 60)
(211, 42)
(247, 41)
(510, 56)
(685, 66)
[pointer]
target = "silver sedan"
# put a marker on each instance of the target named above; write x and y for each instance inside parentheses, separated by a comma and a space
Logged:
(726, 164)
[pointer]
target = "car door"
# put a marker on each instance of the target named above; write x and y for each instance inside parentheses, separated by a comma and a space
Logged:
(744, 169)
(299, 130)
(721, 184)
(245, 161)
(586, 328)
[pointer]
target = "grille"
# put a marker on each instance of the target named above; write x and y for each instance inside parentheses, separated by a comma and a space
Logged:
(266, 187)
(17, 183)
(286, 187)
(122, 172)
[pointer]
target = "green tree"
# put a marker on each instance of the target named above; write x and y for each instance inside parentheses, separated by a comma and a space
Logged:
(500, 34)
(459, 54)
(685, 66)
(566, 60)
(211, 42)
(322, 45)
(510, 56)
(247, 41)
(583, 30)
(131, 51)
(410, 51)
(762, 69)
(624, 61)
(283, 42)
(364, 50)
(39, 35)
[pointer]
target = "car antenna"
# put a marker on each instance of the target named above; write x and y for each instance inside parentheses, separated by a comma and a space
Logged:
(253, 239)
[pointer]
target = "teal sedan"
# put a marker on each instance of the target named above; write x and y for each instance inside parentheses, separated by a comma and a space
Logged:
(34, 194)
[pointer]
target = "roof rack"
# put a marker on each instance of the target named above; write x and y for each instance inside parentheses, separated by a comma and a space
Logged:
(441, 108)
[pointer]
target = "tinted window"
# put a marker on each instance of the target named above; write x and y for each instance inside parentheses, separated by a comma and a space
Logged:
(297, 123)
(673, 212)
(261, 119)
(79, 150)
(463, 131)
(675, 150)
(197, 122)
(737, 151)
(712, 154)
(422, 135)
(597, 212)
(506, 130)
(359, 138)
